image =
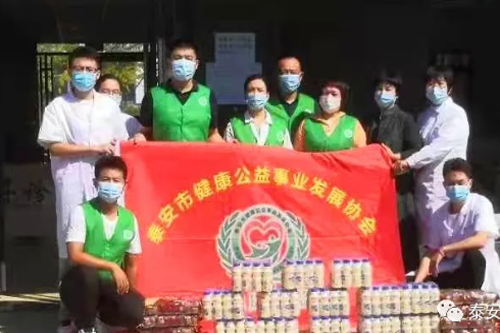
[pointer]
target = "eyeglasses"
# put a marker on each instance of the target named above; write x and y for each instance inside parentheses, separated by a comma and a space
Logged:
(85, 69)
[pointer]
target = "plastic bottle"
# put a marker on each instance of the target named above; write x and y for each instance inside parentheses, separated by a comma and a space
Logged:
(265, 306)
(295, 303)
(281, 325)
(347, 273)
(316, 325)
(324, 310)
(230, 327)
(335, 303)
(314, 302)
(267, 278)
(218, 310)
(319, 274)
(240, 326)
(289, 275)
(407, 324)
(250, 326)
(376, 301)
(425, 323)
(416, 324)
(416, 300)
(246, 274)
(385, 299)
(395, 324)
(366, 302)
(366, 273)
(335, 324)
(406, 306)
(345, 325)
(326, 324)
(227, 305)
(286, 304)
(309, 281)
(257, 271)
(275, 303)
(425, 298)
(237, 277)
(261, 326)
(208, 308)
(220, 327)
(376, 325)
(337, 274)
(357, 280)
(435, 322)
(386, 323)
(366, 326)
(300, 273)
(238, 307)
(344, 306)
(395, 301)
(292, 325)
(270, 326)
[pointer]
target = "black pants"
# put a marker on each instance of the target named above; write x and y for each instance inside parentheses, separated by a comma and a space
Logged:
(86, 296)
(408, 232)
(470, 275)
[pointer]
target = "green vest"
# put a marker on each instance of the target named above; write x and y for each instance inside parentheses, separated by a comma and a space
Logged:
(174, 121)
(306, 106)
(342, 137)
(96, 244)
(243, 131)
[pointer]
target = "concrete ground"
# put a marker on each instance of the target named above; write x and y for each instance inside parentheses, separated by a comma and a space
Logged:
(39, 321)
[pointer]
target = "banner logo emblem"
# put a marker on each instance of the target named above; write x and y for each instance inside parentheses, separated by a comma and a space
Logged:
(262, 233)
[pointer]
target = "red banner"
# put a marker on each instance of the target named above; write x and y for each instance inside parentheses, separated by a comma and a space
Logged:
(202, 207)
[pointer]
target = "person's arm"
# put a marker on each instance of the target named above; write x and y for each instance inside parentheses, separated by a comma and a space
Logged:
(68, 149)
(424, 269)
(214, 135)
(299, 140)
(359, 136)
(412, 142)
(146, 119)
(450, 134)
(475, 242)
(133, 252)
(288, 142)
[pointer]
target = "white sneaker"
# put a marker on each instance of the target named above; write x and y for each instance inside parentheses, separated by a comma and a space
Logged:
(71, 328)
(87, 330)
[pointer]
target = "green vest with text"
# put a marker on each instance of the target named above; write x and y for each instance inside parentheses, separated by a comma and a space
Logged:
(305, 106)
(96, 244)
(174, 121)
(342, 138)
(243, 131)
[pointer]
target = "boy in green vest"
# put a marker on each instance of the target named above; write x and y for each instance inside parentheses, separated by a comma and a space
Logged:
(103, 244)
(290, 104)
(257, 126)
(182, 109)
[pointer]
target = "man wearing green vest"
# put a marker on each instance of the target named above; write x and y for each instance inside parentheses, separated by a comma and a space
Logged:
(256, 126)
(103, 244)
(290, 104)
(182, 109)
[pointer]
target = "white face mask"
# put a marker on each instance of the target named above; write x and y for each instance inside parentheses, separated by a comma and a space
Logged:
(329, 103)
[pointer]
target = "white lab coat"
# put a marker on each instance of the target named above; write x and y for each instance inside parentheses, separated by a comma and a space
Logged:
(445, 132)
(89, 122)
(476, 216)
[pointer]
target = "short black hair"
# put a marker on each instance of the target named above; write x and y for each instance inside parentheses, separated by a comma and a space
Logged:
(457, 164)
(440, 72)
(184, 44)
(254, 77)
(107, 77)
(390, 77)
(111, 162)
(86, 52)
(289, 56)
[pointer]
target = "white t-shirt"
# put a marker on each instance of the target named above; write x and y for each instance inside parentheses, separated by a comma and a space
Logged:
(76, 232)
(476, 216)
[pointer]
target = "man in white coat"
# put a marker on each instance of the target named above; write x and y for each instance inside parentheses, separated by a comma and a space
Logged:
(445, 131)
(77, 128)
(461, 246)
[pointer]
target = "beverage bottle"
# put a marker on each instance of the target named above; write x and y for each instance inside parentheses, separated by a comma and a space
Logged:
(314, 303)
(267, 278)
(227, 306)
(337, 274)
(376, 324)
(292, 325)
(220, 327)
(217, 306)
(296, 304)
(270, 326)
(238, 307)
(261, 326)
(406, 306)
(335, 303)
(407, 324)
(345, 325)
(300, 273)
(275, 303)
(425, 323)
(335, 326)
(289, 275)
(395, 300)
(344, 306)
(395, 324)
(286, 304)
(356, 273)
(240, 326)
(265, 306)
(425, 299)
(416, 324)
(366, 273)
(385, 323)
(230, 327)
(281, 325)
(319, 274)
(366, 302)
(257, 271)
(309, 274)
(208, 308)
(385, 297)
(250, 326)
(237, 277)
(246, 274)
(376, 301)
(434, 322)
(366, 326)
(416, 301)
(326, 324)
(346, 274)
(324, 304)
(316, 325)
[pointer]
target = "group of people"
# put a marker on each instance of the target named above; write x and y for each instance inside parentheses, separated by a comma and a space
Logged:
(99, 240)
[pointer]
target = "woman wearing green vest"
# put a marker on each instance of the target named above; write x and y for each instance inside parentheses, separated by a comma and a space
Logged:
(332, 129)
(257, 126)
(103, 244)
